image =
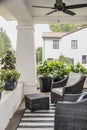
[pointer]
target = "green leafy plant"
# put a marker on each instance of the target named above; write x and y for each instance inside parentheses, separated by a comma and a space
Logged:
(8, 61)
(54, 69)
(1, 86)
(59, 70)
(43, 70)
(65, 60)
(79, 68)
(9, 75)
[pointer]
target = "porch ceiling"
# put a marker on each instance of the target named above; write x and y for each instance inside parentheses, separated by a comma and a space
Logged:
(22, 10)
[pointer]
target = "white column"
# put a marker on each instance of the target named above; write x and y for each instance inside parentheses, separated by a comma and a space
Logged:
(25, 56)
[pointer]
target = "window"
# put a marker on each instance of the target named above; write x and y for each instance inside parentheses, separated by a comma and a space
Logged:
(84, 59)
(50, 59)
(55, 44)
(74, 44)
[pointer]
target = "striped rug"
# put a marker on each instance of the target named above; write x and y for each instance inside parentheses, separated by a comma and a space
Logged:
(38, 120)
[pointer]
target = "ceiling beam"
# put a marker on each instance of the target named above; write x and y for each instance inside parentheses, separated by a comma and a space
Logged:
(64, 19)
(18, 9)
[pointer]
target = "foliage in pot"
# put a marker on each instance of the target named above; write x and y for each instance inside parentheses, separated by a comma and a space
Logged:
(53, 69)
(8, 73)
(9, 77)
(79, 68)
(1, 87)
(59, 70)
(8, 61)
(43, 71)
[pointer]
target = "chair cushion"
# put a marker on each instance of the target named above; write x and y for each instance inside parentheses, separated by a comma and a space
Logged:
(82, 97)
(58, 90)
(73, 78)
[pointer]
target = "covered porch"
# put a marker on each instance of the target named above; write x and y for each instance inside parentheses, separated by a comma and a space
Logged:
(26, 17)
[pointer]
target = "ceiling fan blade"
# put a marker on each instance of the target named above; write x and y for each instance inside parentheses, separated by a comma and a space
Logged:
(68, 12)
(76, 6)
(51, 12)
(42, 7)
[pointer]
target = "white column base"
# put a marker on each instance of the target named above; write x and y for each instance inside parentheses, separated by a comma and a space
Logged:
(29, 88)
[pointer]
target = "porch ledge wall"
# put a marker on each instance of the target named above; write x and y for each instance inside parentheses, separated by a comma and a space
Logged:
(9, 103)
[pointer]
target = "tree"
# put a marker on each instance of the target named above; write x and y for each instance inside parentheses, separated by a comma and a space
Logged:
(64, 27)
(5, 43)
(66, 60)
(1, 46)
(39, 55)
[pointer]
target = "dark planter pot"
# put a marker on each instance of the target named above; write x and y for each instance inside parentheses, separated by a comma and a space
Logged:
(45, 84)
(10, 85)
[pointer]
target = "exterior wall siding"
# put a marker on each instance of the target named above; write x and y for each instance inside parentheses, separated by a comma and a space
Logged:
(65, 46)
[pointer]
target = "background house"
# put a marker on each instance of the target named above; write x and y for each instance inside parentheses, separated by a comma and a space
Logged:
(72, 45)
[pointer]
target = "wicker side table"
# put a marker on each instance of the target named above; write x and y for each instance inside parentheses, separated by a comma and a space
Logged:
(36, 101)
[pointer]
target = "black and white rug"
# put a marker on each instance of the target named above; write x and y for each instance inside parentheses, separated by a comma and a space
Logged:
(38, 120)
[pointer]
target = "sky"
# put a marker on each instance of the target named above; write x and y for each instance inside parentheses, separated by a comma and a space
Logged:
(11, 31)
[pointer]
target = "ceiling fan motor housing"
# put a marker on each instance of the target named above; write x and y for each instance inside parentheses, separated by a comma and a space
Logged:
(59, 7)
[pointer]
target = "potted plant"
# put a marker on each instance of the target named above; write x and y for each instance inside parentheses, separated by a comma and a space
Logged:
(1, 87)
(44, 77)
(8, 73)
(59, 71)
(10, 78)
(8, 61)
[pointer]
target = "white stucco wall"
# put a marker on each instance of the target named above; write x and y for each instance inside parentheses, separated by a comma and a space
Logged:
(49, 52)
(76, 54)
(65, 46)
(9, 103)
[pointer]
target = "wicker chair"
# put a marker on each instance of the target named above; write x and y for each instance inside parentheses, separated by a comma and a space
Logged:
(59, 85)
(71, 115)
(57, 94)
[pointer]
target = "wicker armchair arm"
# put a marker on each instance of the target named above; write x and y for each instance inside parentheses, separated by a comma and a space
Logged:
(60, 83)
(71, 97)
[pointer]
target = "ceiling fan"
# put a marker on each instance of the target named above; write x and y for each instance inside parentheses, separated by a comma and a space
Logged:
(59, 5)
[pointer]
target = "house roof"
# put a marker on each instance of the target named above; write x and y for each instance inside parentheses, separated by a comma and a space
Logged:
(53, 34)
(59, 34)
(76, 30)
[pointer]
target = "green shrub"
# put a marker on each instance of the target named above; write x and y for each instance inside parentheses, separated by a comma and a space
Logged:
(8, 61)
(79, 68)
(55, 69)
(43, 70)
(9, 75)
(59, 70)
(1, 86)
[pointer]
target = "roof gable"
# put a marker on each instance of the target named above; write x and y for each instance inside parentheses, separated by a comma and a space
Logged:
(53, 34)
